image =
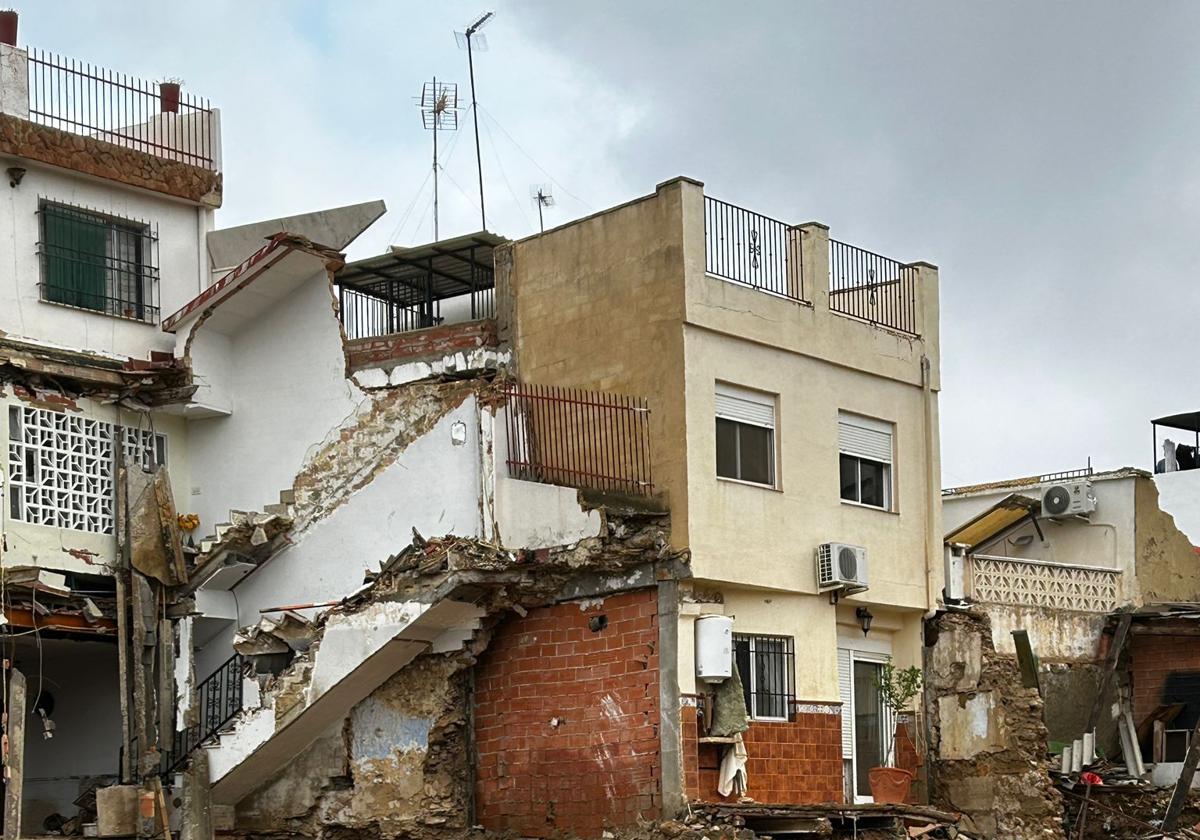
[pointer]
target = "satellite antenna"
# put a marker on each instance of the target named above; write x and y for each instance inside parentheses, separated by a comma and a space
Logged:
(466, 40)
(439, 112)
(542, 198)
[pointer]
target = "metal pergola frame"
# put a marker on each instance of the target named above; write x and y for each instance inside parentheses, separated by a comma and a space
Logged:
(418, 279)
(1188, 421)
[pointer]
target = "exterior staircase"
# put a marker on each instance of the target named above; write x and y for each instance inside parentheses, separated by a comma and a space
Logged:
(355, 654)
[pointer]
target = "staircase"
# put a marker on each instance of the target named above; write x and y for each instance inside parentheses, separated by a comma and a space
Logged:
(236, 547)
(356, 653)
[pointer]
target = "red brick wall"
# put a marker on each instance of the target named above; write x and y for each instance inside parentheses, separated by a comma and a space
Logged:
(1153, 660)
(797, 762)
(566, 719)
(417, 345)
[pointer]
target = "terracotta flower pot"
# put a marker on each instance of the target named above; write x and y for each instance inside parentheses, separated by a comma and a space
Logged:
(8, 27)
(889, 785)
(168, 96)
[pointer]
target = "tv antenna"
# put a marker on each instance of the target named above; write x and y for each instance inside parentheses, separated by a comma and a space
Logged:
(473, 38)
(542, 198)
(439, 112)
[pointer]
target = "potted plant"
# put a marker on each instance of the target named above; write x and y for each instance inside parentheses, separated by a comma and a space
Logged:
(168, 95)
(897, 688)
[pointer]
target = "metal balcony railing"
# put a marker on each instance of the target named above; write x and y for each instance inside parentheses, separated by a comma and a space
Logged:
(577, 438)
(875, 288)
(752, 249)
(152, 117)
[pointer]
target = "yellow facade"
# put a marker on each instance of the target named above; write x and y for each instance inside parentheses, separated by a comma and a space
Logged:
(621, 301)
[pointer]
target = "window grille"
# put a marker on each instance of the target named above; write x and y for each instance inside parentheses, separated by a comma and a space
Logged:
(98, 262)
(767, 667)
(61, 471)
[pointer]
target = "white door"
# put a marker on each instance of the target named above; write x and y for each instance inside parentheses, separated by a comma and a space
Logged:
(868, 727)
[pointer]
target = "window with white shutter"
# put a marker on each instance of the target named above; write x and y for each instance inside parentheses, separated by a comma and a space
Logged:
(745, 435)
(865, 460)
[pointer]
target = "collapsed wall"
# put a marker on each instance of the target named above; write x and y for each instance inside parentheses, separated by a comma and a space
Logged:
(409, 759)
(988, 742)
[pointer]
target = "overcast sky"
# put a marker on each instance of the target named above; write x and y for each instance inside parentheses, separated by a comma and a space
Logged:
(1044, 155)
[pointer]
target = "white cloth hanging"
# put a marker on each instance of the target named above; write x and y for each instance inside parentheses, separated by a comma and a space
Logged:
(733, 768)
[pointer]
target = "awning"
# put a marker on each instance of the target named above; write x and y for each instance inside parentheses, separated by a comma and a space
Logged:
(1189, 421)
(994, 521)
(425, 273)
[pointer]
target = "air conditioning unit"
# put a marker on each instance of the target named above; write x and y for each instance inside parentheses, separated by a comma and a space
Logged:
(1072, 499)
(841, 566)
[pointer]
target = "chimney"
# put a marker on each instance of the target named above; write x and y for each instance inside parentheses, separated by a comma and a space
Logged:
(8, 27)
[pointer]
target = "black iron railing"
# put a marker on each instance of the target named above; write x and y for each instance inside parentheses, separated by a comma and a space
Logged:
(767, 668)
(872, 287)
(156, 118)
(748, 248)
(369, 312)
(219, 699)
(94, 261)
(577, 438)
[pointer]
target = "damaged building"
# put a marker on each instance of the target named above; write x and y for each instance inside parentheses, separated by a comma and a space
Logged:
(551, 535)
(1091, 578)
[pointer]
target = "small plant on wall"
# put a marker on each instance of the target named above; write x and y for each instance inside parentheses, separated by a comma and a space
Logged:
(897, 687)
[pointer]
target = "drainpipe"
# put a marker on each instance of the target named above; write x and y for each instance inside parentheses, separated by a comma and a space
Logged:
(932, 538)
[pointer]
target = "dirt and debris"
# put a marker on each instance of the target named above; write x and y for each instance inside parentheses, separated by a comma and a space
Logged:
(399, 765)
(988, 742)
(1125, 812)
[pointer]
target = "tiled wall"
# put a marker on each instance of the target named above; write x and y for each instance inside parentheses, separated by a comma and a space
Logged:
(792, 762)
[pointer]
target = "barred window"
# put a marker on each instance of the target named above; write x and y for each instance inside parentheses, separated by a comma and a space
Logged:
(767, 666)
(60, 467)
(99, 262)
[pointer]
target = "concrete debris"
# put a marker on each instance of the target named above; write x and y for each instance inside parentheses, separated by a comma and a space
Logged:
(283, 633)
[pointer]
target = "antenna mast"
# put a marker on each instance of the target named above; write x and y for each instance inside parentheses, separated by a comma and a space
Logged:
(439, 110)
(542, 198)
(472, 37)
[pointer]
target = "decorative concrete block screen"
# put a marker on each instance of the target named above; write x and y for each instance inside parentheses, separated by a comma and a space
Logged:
(1035, 584)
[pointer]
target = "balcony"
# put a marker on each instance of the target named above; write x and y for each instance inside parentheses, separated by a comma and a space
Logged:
(151, 135)
(1036, 583)
(765, 254)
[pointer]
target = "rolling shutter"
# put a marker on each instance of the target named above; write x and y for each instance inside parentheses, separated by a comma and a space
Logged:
(743, 406)
(846, 691)
(865, 438)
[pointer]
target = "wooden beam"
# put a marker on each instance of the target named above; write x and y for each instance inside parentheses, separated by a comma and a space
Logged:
(1027, 661)
(1184, 785)
(1110, 668)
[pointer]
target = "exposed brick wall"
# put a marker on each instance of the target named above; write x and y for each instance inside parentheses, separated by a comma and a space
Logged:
(566, 719)
(1165, 669)
(796, 762)
(690, 747)
(420, 345)
(25, 139)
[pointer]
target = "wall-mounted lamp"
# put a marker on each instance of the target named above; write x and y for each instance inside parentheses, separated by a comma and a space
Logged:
(864, 618)
(15, 174)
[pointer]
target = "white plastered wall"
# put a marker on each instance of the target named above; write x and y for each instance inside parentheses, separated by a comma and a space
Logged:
(181, 261)
(47, 546)
(1179, 495)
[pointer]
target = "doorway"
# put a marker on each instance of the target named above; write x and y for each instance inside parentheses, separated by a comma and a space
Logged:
(868, 726)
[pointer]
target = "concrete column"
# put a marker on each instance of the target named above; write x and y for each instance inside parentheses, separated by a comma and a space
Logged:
(928, 317)
(670, 728)
(813, 247)
(14, 81)
(196, 821)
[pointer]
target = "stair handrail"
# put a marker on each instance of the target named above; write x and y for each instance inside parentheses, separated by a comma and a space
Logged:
(219, 700)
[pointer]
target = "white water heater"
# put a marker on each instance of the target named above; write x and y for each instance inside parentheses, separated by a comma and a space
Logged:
(714, 648)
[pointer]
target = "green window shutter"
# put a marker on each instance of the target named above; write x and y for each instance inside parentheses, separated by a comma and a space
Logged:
(76, 248)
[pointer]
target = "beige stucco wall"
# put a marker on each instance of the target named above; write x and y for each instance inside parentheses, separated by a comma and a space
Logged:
(1168, 567)
(599, 305)
(620, 301)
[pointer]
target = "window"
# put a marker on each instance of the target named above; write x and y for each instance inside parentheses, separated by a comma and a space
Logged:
(865, 452)
(766, 665)
(745, 435)
(61, 471)
(98, 262)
